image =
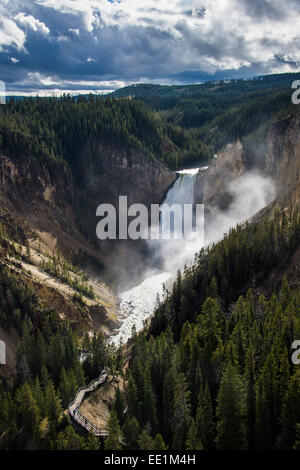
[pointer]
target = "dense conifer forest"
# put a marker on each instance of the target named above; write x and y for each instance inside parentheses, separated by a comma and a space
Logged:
(223, 111)
(213, 370)
(181, 127)
(218, 371)
(56, 130)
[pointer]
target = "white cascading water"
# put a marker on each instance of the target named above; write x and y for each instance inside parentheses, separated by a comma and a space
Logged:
(184, 248)
(138, 303)
(250, 193)
(182, 191)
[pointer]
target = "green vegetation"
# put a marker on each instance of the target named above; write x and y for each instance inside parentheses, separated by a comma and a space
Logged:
(179, 125)
(221, 112)
(213, 370)
(208, 374)
(48, 372)
(55, 131)
(58, 267)
(211, 374)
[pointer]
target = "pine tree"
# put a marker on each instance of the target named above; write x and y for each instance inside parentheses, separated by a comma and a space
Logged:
(212, 290)
(145, 442)
(193, 442)
(182, 413)
(39, 396)
(92, 442)
(131, 430)
(118, 405)
(285, 373)
(53, 404)
(205, 424)
(210, 334)
(8, 415)
(114, 439)
(69, 440)
(231, 411)
(132, 397)
(64, 388)
(285, 293)
(45, 377)
(209, 324)
(297, 432)
(268, 404)
(28, 409)
(148, 405)
(290, 413)
(218, 360)
(250, 381)
(168, 403)
(158, 443)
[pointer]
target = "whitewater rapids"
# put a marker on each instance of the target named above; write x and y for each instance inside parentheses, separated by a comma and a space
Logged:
(138, 304)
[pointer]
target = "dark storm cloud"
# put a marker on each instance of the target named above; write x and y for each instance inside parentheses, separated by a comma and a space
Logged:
(97, 44)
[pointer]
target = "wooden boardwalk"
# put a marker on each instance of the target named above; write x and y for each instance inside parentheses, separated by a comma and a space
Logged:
(73, 407)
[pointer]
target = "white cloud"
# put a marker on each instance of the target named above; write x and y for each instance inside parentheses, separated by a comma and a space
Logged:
(36, 83)
(56, 92)
(38, 79)
(31, 22)
(74, 31)
(11, 34)
(62, 38)
(163, 40)
(14, 60)
(210, 34)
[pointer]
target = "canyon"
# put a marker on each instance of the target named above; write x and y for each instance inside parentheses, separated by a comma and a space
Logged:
(55, 210)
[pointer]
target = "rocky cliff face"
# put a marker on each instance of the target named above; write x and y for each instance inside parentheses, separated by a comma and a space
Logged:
(280, 161)
(212, 184)
(108, 172)
(60, 204)
(105, 173)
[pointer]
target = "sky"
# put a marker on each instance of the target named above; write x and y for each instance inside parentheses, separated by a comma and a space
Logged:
(80, 46)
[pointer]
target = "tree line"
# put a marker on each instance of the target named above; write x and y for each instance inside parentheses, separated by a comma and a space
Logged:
(55, 130)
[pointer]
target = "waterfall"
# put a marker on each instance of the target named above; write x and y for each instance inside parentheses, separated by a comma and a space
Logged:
(250, 193)
(138, 303)
(186, 240)
(182, 191)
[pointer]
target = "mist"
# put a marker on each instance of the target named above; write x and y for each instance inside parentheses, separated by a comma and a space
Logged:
(248, 194)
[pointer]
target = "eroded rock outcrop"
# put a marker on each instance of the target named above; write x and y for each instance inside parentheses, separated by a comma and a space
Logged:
(280, 160)
(212, 184)
(283, 157)
(61, 202)
(108, 172)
